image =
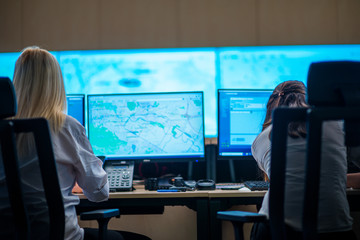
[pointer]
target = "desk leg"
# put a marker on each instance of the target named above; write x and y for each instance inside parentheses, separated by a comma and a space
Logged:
(215, 224)
(202, 209)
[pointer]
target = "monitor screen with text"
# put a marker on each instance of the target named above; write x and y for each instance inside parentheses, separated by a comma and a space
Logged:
(241, 114)
(76, 107)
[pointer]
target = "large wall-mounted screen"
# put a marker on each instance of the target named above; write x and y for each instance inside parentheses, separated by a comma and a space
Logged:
(188, 69)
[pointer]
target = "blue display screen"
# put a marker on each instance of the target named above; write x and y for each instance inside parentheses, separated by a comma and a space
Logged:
(188, 69)
(76, 107)
(241, 114)
(7, 64)
(264, 67)
(154, 126)
(144, 70)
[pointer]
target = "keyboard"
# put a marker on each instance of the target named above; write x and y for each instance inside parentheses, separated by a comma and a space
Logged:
(229, 186)
(257, 185)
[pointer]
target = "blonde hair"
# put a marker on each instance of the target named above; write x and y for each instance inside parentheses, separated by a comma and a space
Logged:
(39, 87)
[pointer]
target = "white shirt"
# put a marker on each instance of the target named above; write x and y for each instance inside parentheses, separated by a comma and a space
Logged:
(333, 209)
(75, 162)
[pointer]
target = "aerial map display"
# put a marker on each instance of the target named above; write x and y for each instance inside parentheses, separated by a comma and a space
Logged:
(147, 125)
(188, 69)
(143, 71)
(264, 67)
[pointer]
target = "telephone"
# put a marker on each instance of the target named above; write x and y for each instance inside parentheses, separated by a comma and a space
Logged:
(120, 174)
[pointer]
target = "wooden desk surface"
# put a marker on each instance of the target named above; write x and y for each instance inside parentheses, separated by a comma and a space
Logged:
(140, 192)
(235, 193)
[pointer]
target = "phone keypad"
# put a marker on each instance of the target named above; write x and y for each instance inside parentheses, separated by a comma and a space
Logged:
(119, 178)
(120, 175)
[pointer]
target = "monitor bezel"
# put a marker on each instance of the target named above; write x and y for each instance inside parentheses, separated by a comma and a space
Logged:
(83, 103)
(233, 157)
(157, 158)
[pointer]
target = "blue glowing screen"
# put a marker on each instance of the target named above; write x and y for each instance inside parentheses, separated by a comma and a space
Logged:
(7, 64)
(147, 126)
(125, 71)
(188, 69)
(240, 117)
(76, 107)
(266, 67)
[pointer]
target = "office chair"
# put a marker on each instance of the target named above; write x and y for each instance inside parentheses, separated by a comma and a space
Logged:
(40, 130)
(333, 94)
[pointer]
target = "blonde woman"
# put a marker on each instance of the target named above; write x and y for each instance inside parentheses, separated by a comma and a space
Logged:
(40, 92)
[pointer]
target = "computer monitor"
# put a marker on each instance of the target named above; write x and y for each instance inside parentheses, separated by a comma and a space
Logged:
(147, 126)
(76, 107)
(241, 113)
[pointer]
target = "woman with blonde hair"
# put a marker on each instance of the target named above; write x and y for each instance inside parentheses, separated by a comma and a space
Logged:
(40, 92)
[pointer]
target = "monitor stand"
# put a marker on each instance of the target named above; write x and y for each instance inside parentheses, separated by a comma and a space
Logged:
(232, 170)
(190, 171)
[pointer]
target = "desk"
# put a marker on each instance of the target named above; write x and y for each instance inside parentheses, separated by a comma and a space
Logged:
(205, 203)
(147, 201)
(220, 200)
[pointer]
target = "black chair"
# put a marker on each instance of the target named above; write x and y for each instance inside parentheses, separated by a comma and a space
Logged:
(334, 94)
(40, 130)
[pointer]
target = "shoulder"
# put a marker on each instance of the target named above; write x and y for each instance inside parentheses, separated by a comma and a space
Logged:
(261, 149)
(262, 143)
(263, 137)
(72, 124)
(73, 128)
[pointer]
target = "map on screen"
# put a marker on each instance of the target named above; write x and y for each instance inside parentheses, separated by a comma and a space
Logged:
(147, 70)
(121, 71)
(157, 125)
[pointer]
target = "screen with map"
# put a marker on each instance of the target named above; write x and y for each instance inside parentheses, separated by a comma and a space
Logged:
(240, 117)
(144, 70)
(123, 71)
(147, 126)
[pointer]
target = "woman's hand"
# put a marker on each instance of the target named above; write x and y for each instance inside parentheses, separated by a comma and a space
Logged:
(77, 189)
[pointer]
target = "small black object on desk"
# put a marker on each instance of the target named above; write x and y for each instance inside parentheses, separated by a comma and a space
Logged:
(205, 184)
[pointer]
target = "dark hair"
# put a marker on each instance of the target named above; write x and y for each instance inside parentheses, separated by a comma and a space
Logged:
(290, 94)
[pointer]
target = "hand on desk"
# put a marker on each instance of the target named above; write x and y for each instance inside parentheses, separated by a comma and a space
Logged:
(77, 189)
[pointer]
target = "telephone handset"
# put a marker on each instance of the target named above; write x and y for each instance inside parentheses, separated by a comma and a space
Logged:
(120, 174)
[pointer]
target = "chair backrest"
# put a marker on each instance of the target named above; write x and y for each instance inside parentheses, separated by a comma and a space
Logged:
(7, 98)
(334, 84)
(281, 119)
(46, 161)
(40, 129)
(12, 187)
(9, 159)
(339, 99)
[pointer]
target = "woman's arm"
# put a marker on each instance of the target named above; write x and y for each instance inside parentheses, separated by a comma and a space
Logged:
(261, 150)
(90, 175)
(353, 180)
